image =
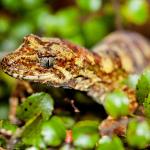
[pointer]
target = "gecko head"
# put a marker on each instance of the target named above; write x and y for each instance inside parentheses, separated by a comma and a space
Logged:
(45, 60)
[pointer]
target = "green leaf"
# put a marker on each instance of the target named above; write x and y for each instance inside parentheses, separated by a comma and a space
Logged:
(67, 147)
(146, 105)
(138, 134)
(86, 125)
(35, 104)
(21, 29)
(85, 134)
(5, 124)
(4, 109)
(68, 121)
(31, 134)
(31, 4)
(107, 143)
(132, 81)
(53, 131)
(9, 44)
(94, 29)
(2, 142)
(4, 25)
(47, 23)
(116, 104)
(68, 22)
(136, 11)
(32, 148)
(11, 4)
(89, 5)
(77, 39)
(143, 86)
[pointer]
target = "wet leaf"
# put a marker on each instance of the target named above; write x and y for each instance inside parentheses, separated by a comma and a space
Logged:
(136, 11)
(35, 104)
(146, 105)
(4, 109)
(85, 134)
(67, 147)
(31, 134)
(116, 104)
(4, 25)
(94, 30)
(68, 22)
(143, 86)
(132, 80)
(21, 29)
(13, 5)
(30, 4)
(2, 142)
(108, 143)
(68, 121)
(90, 5)
(53, 131)
(138, 134)
(7, 125)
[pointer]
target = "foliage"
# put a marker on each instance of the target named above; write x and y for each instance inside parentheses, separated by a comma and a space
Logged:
(53, 131)
(143, 86)
(146, 105)
(31, 134)
(136, 11)
(43, 129)
(5, 124)
(117, 104)
(138, 134)
(132, 81)
(38, 103)
(110, 143)
(85, 134)
(91, 5)
(85, 22)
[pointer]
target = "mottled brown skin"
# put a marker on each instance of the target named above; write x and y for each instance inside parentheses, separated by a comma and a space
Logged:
(60, 63)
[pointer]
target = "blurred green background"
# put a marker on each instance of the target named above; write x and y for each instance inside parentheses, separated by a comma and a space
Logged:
(84, 22)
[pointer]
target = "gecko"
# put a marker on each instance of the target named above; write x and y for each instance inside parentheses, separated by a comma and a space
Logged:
(60, 63)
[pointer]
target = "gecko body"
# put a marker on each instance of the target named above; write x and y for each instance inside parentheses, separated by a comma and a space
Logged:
(60, 63)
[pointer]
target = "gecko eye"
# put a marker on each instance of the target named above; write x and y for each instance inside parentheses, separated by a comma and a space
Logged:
(46, 61)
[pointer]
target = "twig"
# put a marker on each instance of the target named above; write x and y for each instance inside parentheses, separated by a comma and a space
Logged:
(76, 110)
